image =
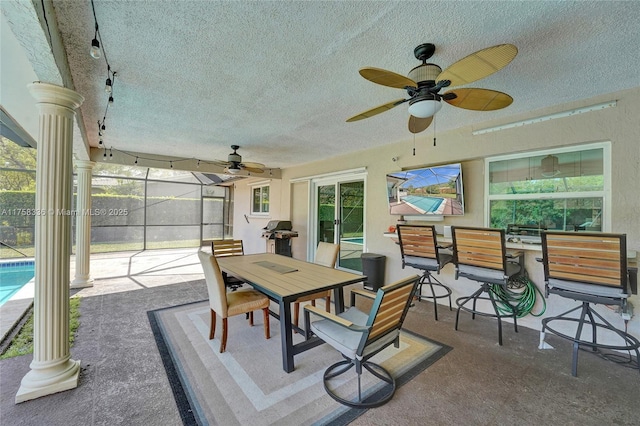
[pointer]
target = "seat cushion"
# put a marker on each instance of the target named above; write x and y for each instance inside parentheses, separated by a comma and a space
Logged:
(342, 339)
(587, 289)
(488, 275)
(240, 302)
(421, 263)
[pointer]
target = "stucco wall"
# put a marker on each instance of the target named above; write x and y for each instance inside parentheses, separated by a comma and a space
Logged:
(619, 125)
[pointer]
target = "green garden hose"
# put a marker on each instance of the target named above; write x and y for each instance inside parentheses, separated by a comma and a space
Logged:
(519, 294)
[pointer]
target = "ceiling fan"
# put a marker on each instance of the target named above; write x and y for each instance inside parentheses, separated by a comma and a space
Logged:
(426, 80)
(235, 165)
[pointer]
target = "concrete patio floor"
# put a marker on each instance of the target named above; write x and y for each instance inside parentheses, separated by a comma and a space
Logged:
(123, 382)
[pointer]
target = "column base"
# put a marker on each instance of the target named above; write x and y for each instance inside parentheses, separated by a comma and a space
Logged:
(37, 383)
(81, 283)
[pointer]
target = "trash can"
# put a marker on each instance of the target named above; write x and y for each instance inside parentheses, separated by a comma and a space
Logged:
(373, 266)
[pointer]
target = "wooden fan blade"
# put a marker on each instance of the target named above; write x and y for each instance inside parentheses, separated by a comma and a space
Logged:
(220, 163)
(417, 125)
(253, 169)
(253, 165)
(377, 110)
(387, 78)
(479, 99)
(479, 64)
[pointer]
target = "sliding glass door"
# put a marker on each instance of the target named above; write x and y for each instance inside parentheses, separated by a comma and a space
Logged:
(340, 219)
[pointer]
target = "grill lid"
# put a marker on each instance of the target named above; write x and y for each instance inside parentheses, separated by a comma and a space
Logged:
(278, 225)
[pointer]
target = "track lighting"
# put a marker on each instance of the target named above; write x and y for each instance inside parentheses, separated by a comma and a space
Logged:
(100, 140)
(136, 162)
(110, 100)
(108, 86)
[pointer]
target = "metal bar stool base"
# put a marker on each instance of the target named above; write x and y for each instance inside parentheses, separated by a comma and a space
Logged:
(478, 295)
(427, 279)
(588, 317)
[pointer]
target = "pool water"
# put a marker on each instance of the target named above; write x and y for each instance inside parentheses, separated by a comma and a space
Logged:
(354, 240)
(13, 276)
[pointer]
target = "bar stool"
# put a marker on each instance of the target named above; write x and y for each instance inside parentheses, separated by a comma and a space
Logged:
(590, 268)
(419, 249)
(480, 255)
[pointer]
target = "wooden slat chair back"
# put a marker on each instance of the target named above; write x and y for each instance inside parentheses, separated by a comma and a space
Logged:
(419, 249)
(594, 258)
(418, 241)
(480, 247)
(223, 248)
(392, 306)
(591, 268)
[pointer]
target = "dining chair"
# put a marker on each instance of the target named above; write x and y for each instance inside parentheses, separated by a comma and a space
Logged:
(227, 304)
(326, 255)
(590, 268)
(480, 254)
(358, 336)
(419, 249)
(223, 248)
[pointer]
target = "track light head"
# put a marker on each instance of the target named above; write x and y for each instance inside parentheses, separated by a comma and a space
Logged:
(110, 100)
(108, 86)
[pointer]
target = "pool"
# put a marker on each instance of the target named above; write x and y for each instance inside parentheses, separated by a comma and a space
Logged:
(13, 276)
(354, 240)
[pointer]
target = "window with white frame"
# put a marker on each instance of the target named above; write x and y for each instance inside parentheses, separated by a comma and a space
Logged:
(260, 200)
(564, 189)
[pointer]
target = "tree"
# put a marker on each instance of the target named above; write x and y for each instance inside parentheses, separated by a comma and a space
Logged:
(14, 156)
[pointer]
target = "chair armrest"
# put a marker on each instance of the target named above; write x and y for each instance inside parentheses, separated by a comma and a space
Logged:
(334, 318)
(365, 293)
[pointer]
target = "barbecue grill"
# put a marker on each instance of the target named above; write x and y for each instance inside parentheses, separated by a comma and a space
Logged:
(278, 234)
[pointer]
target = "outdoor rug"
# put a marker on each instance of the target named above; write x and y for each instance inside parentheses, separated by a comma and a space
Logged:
(246, 385)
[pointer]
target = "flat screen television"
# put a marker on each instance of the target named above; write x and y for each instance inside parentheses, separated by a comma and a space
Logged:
(427, 191)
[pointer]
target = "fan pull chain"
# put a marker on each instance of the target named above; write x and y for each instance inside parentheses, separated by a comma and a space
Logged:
(434, 130)
(414, 144)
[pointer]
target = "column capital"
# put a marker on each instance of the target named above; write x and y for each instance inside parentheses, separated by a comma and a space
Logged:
(85, 164)
(51, 94)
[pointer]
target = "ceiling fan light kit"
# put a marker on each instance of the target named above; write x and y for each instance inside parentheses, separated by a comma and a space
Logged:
(423, 107)
(425, 81)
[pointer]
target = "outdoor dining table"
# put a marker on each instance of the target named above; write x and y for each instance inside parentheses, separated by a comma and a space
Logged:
(284, 279)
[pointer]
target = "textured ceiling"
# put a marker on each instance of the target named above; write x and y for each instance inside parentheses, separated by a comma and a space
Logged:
(280, 78)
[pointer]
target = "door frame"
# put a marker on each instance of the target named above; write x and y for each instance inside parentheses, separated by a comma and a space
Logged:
(337, 178)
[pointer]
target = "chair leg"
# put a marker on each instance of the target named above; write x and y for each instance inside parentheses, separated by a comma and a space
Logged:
(327, 301)
(212, 330)
(267, 330)
(223, 342)
(498, 316)
(251, 318)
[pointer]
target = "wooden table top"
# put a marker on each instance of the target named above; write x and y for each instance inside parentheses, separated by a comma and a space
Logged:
(306, 277)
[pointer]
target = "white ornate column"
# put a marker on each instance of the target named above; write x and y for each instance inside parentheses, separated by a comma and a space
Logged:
(52, 369)
(83, 225)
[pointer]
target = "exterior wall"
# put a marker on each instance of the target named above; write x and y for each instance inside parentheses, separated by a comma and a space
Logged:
(249, 228)
(618, 125)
